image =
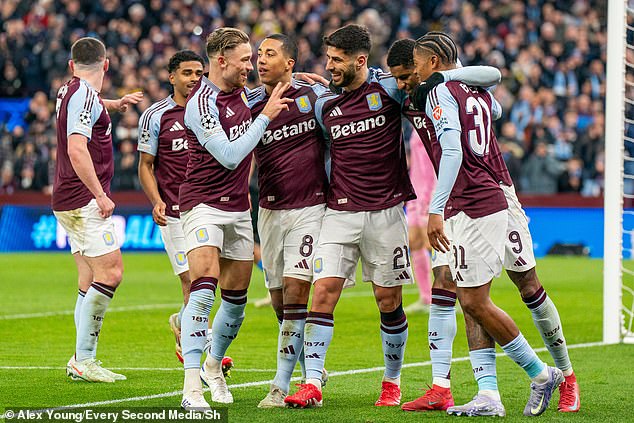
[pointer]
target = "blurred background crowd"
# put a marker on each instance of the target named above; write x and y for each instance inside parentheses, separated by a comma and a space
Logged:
(552, 54)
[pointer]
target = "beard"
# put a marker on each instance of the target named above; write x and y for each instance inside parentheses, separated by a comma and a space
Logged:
(347, 76)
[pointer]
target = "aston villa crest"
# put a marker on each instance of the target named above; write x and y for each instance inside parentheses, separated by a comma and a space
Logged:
(374, 101)
(303, 104)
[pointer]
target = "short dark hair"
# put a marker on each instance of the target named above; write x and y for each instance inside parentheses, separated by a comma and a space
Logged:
(440, 44)
(401, 53)
(351, 39)
(183, 56)
(88, 51)
(289, 46)
(223, 39)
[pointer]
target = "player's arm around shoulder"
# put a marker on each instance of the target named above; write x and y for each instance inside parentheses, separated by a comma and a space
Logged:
(389, 84)
(480, 76)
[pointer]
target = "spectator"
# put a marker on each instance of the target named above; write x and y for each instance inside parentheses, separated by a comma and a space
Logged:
(541, 171)
(571, 179)
(125, 169)
(512, 151)
(7, 182)
(551, 55)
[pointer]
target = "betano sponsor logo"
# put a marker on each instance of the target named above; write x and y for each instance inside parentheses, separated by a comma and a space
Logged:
(352, 128)
(287, 131)
(239, 130)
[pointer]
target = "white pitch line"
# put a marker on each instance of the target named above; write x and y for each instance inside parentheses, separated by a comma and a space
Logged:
(135, 369)
(346, 294)
(71, 312)
(267, 382)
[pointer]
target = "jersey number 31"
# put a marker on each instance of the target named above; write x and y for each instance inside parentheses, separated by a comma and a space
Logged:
(480, 136)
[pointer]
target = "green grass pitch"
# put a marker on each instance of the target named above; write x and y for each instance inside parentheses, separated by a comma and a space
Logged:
(37, 296)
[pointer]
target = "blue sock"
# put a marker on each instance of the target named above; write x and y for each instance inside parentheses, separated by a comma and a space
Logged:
(483, 364)
(317, 336)
(80, 300)
(289, 344)
(393, 339)
(196, 320)
(522, 353)
(442, 331)
(227, 321)
(93, 310)
(547, 321)
(259, 265)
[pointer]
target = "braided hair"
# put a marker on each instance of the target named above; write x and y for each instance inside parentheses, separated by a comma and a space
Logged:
(439, 44)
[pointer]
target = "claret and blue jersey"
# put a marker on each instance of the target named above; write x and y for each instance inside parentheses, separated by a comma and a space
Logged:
(363, 126)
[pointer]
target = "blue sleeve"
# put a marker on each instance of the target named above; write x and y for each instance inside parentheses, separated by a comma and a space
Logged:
(480, 76)
(496, 108)
(211, 135)
(83, 110)
(256, 95)
(442, 108)
(319, 107)
(319, 89)
(450, 163)
(390, 86)
(149, 127)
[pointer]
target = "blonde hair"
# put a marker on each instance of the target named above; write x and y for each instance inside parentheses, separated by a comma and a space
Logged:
(223, 39)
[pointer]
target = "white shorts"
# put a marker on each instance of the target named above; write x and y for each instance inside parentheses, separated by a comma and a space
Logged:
(231, 232)
(89, 234)
(477, 247)
(379, 238)
(174, 240)
(518, 247)
(519, 255)
(288, 239)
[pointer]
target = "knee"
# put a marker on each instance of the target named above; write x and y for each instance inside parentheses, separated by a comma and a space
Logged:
(443, 279)
(114, 275)
(296, 292)
(471, 305)
(388, 301)
(324, 298)
(277, 303)
(527, 282)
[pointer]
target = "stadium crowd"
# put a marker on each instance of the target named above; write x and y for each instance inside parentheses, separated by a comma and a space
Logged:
(552, 55)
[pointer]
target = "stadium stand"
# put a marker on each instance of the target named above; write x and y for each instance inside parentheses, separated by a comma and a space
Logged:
(551, 53)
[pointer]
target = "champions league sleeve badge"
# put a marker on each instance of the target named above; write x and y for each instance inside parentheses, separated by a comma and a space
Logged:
(144, 138)
(208, 122)
(84, 118)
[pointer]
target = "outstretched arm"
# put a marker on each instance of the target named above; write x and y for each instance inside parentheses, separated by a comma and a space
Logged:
(121, 104)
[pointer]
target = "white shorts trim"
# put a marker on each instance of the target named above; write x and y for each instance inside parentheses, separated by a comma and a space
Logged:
(288, 239)
(231, 232)
(174, 240)
(379, 238)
